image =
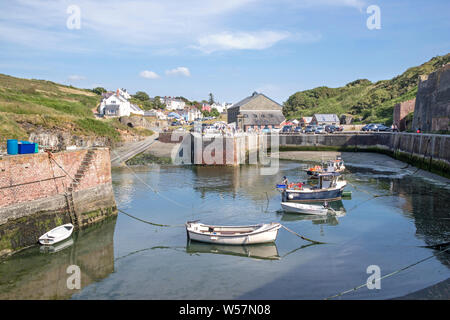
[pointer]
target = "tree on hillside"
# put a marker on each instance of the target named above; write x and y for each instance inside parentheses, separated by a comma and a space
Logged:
(183, 99)
(211, 98)
(214, 112)
(157, 104)
(98, 90)
(141, 95)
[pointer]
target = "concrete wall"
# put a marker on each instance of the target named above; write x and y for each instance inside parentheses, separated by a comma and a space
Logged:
(33, 194)
(432, 109)
(427, 151)
(171, 137)
(401, 110)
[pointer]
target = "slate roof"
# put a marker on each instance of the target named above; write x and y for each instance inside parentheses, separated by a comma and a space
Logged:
(257, 101)
(135, 108)
(326, 117)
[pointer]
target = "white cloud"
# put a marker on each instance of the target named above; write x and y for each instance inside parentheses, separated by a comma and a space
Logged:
(183, 71)
(240, 40)
(76, 77)
(149, 74)
(161, 26)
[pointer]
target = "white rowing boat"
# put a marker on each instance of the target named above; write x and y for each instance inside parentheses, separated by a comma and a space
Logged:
(304, 208)
(57, 234)
(232, 235)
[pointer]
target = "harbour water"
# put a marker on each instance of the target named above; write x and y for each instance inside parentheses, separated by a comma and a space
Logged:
(391, 218)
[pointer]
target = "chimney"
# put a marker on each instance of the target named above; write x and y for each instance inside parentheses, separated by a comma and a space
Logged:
(117, 93)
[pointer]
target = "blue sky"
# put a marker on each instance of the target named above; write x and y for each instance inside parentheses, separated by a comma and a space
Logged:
(228, 47)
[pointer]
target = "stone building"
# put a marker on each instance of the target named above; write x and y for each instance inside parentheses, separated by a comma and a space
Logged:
(401, 110)
(432, 108)
(257, 112)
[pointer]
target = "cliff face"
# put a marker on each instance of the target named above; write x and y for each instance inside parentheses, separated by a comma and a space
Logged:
(432, 109)
(60, 140)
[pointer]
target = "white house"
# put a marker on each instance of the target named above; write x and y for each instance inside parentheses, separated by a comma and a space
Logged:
(191, 113)
(221, 107)
(117, 105)
(173, 104)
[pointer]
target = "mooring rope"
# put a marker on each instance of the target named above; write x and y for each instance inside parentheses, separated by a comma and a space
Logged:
(302, 237)
(149, 222)
(388, 275)
(51, 158)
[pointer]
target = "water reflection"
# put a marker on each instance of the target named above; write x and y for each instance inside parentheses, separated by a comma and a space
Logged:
(40, 273)
(245, 181)
(330, 219)
(266, 251)
(57, 247)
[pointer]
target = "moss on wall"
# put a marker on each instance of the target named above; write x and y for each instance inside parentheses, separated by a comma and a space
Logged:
(24, 232)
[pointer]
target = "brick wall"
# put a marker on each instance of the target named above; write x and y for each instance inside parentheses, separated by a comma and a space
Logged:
(33, 176)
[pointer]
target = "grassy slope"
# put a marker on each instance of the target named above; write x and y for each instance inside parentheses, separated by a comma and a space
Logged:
(26, 105)
(366, 101)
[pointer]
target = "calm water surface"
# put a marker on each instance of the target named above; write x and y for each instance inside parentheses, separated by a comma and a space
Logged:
(123, 258)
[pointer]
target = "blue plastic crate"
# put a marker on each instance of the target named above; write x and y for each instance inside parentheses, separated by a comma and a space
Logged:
(26, 148)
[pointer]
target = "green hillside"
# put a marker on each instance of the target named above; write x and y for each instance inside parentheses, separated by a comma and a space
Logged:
(29, 105)
(364, 100)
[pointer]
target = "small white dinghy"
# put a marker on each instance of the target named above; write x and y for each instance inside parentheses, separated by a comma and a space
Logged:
(232, 235)
(304, 208)
(57, 234)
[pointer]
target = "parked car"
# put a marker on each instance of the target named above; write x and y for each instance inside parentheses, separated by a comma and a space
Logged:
(310, 129)
(286, 129)
(376, 126)
(319, 130)
(276, 130)
(382, 127)
(368, 127)
(330, 128)
(265, 130)
(175, 123)
(298, 129)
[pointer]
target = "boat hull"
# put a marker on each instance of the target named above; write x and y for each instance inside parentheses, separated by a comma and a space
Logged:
(315, 195)
(304, 208)
(264, 236)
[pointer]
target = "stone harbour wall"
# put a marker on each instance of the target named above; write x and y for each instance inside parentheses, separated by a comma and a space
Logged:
(34, 193)
(432, 108)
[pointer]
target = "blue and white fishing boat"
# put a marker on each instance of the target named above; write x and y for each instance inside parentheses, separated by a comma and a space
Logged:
(328, 188)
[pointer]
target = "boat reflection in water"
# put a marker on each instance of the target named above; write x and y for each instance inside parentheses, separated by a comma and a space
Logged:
(267, 251)
(57, 247)
(41, 273)
(330, 219)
